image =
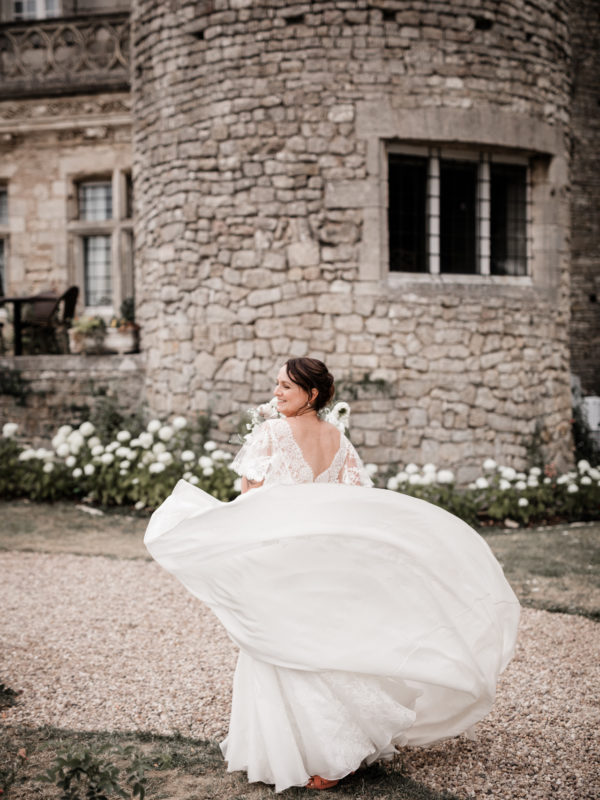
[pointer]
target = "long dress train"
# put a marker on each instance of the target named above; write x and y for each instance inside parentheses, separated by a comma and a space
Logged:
(365, 618)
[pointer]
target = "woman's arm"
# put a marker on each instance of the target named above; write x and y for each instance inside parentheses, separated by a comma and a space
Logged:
(247, 485)
(254, 458)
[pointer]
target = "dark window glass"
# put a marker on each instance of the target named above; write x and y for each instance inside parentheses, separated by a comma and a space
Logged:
(128, 196)
(458, 192)
(407, 213)
(508, 219)
(3, 206)
(1, 267)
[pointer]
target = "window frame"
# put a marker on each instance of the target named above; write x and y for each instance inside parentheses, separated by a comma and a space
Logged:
(120, 230)
(484, 157)
(4, 238)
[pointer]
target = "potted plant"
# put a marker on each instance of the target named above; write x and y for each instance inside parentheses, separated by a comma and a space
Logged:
(86, 335)
(122, 334)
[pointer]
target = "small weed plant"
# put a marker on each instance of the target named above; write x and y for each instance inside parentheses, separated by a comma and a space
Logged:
(8, 696)
(92, 774)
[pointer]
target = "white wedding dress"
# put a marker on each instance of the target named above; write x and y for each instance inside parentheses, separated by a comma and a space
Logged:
(365, 618)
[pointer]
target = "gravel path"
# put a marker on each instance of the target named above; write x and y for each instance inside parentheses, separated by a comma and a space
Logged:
(96, 643)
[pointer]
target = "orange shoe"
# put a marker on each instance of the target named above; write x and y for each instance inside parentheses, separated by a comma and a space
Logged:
(317, 782)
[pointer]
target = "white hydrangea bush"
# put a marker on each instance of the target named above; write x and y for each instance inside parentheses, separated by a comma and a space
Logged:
(502, 495)
(138, 468)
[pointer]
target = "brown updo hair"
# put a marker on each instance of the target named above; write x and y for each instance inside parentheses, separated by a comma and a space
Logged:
(309, 374)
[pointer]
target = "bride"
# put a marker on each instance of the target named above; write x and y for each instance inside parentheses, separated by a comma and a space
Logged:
(366, 620)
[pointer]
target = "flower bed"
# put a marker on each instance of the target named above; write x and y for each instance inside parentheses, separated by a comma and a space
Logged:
(141, 468)
(503, 496)
(131, 470)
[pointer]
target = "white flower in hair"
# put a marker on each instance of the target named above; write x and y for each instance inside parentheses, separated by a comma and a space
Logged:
(339, 416)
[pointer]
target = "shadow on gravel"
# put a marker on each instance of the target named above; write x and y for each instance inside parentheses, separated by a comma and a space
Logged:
(180, 769)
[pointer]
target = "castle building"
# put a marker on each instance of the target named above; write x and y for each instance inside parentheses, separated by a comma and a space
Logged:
(407, 190)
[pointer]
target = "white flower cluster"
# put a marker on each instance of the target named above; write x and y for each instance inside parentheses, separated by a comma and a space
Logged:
(497, 477)
(9, 429)
(152, 450)
(585, 475)
(258, 414)
(507, 478)
(338, 415)
(412, 475)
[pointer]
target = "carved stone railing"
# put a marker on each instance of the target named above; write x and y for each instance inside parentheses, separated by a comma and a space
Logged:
(65, 55)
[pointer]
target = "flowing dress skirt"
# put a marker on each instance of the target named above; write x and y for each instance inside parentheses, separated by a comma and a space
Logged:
(365, 619)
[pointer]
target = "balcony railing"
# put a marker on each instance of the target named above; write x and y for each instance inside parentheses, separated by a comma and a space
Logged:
(65, 55)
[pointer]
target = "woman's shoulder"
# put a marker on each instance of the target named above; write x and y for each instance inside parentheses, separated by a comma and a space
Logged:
(273, 428)
(333, 431)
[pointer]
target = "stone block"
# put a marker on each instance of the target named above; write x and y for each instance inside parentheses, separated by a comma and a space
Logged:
(269, 328)
(262, 297)
(232, 370)
(334, 304)
(303, 254)
(341, 113)
(242, 259)
(299, 305)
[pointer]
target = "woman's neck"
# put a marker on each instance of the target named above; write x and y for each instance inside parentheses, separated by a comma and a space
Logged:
(307, 416)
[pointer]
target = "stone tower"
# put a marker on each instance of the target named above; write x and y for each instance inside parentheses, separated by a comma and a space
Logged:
(381, 184)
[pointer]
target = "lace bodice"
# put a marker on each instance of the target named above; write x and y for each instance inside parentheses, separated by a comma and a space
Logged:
(271, 454)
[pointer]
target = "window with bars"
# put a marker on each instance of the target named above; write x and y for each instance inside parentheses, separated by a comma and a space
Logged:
(102, 230)
(97, 270)
(95, 200)
(455, 213)
(95, 205)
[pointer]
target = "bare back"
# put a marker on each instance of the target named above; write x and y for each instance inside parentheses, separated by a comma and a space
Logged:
(318, 441)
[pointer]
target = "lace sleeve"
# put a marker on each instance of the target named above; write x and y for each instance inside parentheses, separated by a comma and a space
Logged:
(353, 470)
(252, 461)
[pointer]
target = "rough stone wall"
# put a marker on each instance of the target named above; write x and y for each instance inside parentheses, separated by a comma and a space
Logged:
(585, 203)
(258, 136)
(41, 393)
(44, 145)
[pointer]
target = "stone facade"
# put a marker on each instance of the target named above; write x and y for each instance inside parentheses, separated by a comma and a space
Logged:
(41, 393)
(46, 146)
(260, 138)
(585, 204)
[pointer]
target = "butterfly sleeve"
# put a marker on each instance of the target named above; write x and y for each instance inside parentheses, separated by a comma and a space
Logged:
(353, 470)
(253, 460)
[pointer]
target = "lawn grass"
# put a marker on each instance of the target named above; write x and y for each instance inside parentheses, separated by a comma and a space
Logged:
(180, 769)
(554, 569)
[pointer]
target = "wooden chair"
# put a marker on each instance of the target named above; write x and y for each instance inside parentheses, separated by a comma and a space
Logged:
(44, 328)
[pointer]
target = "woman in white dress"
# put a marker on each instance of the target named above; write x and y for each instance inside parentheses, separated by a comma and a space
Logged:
(366, 619)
